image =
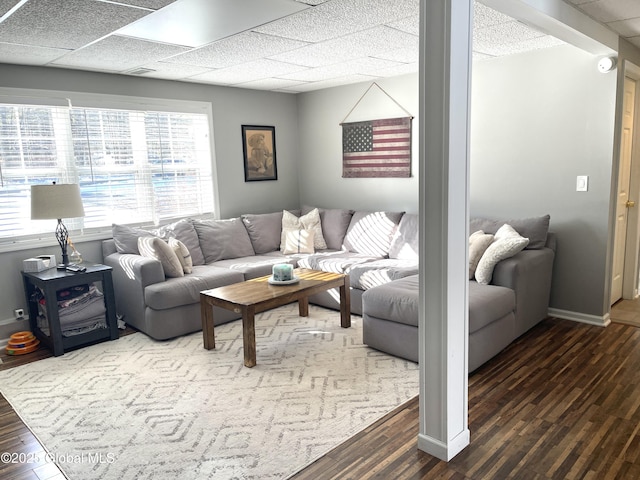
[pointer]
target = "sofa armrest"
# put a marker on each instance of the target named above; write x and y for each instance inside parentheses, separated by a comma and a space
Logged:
(528, 274)
(131, 275)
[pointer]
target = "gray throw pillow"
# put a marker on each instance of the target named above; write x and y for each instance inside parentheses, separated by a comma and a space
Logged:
(334, 224)
(533, 228)
(264, 231)
(223, 239)
(370, 232)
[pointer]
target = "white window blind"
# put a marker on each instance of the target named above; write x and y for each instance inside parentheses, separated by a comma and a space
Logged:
(132, 166)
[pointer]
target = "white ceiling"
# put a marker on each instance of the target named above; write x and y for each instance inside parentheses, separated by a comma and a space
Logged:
(282, 45)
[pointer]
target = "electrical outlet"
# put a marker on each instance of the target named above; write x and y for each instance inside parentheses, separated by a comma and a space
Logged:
(19, 313)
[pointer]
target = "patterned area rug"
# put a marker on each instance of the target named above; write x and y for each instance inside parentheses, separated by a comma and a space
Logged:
(136, 408)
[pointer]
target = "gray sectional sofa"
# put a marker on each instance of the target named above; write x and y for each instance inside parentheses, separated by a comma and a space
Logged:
(377, 249)
(499, 312)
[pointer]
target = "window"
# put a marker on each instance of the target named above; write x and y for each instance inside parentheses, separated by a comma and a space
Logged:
(133, 166)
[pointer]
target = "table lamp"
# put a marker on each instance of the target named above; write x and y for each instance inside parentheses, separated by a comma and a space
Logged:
(59, 200)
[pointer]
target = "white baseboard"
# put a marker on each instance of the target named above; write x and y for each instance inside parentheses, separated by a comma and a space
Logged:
(441, 450)
(602, 321)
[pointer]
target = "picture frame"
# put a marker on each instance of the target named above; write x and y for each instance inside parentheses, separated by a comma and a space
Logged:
(259, 153)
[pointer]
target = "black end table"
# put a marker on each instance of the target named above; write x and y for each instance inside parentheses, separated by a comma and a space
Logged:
(52, 280)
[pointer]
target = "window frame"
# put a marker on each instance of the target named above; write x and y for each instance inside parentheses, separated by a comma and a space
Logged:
(48, 98)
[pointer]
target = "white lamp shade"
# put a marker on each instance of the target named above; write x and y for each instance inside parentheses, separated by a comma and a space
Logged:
(56, 201)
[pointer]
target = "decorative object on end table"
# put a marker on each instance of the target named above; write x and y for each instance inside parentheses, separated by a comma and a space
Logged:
(259, 152)
(57, 201)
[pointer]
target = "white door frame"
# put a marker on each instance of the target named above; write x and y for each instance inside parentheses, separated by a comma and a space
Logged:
(632, 250)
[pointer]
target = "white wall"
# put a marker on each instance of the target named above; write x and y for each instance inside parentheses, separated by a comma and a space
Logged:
(539, 120)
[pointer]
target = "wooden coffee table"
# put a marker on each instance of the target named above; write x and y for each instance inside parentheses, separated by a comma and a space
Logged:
(257, 295)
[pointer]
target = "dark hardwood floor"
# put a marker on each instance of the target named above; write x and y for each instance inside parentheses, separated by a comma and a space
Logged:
(561, 402)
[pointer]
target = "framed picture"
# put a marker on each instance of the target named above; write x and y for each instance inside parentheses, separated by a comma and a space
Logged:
(259, 148)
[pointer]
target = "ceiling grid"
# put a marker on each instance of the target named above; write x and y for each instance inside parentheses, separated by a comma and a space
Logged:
(284, 45)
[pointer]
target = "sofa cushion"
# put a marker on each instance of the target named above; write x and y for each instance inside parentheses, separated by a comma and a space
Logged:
(222, 239)
(533, 228)
(264, 231)
(154, 247)
(396, 301)
(253, 266)
(478, 244)
(126, 237)
(506, 243)
(175, 292)
(297, 241)
(182, 252)
(334, 225)
(378, 272)
(488, 303)
(404, 243)
(309, 221)
(370, 233)
(337, 262)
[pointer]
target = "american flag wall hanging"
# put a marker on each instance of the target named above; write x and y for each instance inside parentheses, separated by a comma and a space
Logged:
(377, 148)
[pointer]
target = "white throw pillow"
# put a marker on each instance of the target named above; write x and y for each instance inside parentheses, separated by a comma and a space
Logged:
(478, 244)
(182, 252)
(506, 243)
(157, 248)
(310, 221)
(297, 241)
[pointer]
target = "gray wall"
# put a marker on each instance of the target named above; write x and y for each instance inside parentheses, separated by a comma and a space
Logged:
(320, 114)
(539, 120)
(232, 107)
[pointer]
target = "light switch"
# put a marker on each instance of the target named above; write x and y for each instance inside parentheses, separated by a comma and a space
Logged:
(582, 183)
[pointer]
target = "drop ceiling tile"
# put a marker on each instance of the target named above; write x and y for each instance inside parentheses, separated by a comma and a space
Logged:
(195, 23)
(270, 84)
(409, 25)
(150, 4)
(171, 71)
(65, 24)
(606, 11)
(546, 41)
(484, 16)
(307, 87)
(363, 66)
(404, 55)
(401, 69)
(373, 42)
(118, 54)
(503, 33)
(6, 5)
(312, 2)
(240, 48)
(627, 28)
(339, 17)
(28, 55)
(256, 70)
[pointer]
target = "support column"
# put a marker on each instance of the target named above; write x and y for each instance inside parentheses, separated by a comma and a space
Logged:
(445, 88)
